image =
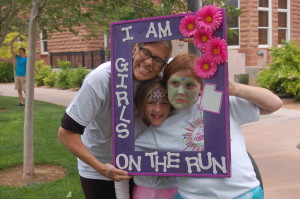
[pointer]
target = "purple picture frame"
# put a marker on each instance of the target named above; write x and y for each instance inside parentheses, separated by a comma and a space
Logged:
(214, 161)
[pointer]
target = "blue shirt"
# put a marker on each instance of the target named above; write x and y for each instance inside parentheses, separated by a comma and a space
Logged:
(21, 66)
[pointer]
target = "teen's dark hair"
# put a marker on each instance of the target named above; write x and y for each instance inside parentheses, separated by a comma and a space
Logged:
(23, 49)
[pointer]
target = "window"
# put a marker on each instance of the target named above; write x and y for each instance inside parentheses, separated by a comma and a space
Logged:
(44, 44)
(264, 23)
(233, 37)
(283, 22)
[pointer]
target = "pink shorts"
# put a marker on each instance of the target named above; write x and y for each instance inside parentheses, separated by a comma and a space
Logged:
(140, 192)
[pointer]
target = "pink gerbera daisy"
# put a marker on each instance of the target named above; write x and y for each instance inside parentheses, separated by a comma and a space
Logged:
(188, 26)
(201, 37)
(205, 67)
(216, 49)
(209, 17)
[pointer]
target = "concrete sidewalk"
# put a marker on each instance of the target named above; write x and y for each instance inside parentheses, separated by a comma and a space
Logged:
(55, 96)
(273, 141)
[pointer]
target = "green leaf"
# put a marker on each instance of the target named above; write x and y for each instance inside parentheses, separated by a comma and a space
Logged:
(69, 195)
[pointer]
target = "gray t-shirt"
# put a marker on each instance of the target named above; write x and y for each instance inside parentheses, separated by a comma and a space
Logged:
(91, 107)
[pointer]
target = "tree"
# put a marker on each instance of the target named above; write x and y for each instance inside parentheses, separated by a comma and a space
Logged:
(120, 10)
(13, 18)
(42, 13)
(5, 50)
(28, 158)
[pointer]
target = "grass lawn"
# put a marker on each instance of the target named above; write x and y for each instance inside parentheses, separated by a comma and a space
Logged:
(47, 150)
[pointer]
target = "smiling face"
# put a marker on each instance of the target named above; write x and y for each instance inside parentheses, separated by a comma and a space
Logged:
(157, 107)
(183, 89)
(145, 69)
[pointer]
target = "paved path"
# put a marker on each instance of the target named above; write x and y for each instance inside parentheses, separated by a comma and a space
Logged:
(55, 96)
(272, 141)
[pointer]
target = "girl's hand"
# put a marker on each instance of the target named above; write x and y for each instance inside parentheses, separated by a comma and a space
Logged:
(232, 87)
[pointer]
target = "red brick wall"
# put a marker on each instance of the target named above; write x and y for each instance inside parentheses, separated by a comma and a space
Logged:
(249, 28)
(249, 31)
(295, 20)
(274, 22)
(68, 42)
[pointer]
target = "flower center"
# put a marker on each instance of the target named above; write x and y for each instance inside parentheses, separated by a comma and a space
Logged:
(216, 51)
(204, 38)
(208, 19)
(190, 26)
(205, 66)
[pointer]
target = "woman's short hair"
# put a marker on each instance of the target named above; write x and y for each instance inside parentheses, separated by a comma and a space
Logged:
(167, 43)
(23, 49)
(180, 63)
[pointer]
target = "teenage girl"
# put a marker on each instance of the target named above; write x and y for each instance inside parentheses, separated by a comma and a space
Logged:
(246, 104)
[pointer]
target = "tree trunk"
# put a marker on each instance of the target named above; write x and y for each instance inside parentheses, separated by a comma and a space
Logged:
(28, 159)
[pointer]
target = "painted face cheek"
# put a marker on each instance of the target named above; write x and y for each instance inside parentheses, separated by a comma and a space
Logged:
(172, 92)
(191, 96)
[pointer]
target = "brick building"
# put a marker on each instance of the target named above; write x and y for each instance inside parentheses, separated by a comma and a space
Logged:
(263, 24)
(67, 46)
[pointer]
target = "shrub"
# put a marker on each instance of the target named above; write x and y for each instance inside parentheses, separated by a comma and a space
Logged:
(6, 72)
(50, 79)
(77, 76)
(62, 80)
(63, 64)
(41, 71)
(283, 74)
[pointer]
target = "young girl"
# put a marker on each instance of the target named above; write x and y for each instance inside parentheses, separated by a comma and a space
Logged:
(184, 89)
(151, 100)
(246, 103)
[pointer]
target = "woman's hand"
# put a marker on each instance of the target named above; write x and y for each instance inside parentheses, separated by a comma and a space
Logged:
(113, 173)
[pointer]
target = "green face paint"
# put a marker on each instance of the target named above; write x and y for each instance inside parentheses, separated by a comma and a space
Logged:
(183, 92)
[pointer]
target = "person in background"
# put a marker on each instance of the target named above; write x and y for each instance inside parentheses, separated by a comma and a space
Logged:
(89, 115)
(20, 78)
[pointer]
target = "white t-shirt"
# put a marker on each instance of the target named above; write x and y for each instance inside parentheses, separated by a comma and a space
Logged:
(186, 123)
(243, 176)
(91, 107)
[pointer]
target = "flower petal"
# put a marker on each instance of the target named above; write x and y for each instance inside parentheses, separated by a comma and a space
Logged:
(188, 26)
(216, 48)
(205, 67)
(209, 17)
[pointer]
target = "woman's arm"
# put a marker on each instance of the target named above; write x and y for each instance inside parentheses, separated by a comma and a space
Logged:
(73, 143)
(267, 101)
